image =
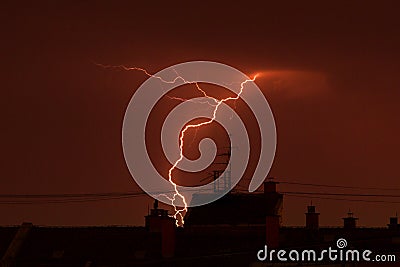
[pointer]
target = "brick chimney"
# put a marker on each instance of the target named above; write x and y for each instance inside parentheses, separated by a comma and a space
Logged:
(273, 212)
(350, 222)
(393, 223)
(158, 221)
(312, 218)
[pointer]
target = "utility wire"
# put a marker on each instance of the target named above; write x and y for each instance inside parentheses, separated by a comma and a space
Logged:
(90, 197)
(343, 199)
(339, 186)
(340, 194)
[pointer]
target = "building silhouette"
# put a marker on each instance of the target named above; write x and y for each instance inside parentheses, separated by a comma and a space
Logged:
(228, 232)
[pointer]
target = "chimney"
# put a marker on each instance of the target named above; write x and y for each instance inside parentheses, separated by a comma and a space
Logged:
(349, 222)
(393, 223)
(158, 221)
(312, 218)
(270, 186)
(168, 238)
(273, 213)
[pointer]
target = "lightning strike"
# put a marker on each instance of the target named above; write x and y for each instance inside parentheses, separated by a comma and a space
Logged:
(179, 221)
(182, 135)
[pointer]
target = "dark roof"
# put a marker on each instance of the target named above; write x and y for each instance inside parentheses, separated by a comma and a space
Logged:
(77, 246)
(217, 245)
(7, 234)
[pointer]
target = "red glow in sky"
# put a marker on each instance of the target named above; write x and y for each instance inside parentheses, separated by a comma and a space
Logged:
(330, 75)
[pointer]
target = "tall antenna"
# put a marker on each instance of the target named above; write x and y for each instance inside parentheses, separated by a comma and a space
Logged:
(225, 183)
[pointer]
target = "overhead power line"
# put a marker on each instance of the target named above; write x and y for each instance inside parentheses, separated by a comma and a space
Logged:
(339, 186)
(343, 199)
(341, 194)
(10, 199)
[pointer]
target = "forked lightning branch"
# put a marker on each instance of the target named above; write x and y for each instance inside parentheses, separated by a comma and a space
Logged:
(158, 85)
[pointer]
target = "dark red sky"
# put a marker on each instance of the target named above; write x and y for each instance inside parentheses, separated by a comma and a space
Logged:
(332, 83)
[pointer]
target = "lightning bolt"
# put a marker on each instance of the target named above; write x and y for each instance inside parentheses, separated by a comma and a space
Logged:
(182, 135)
(178, 215)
